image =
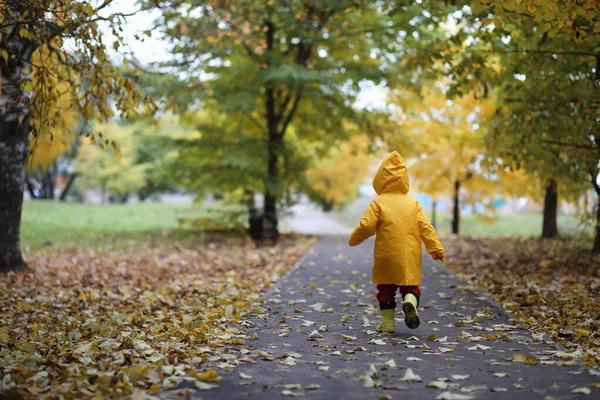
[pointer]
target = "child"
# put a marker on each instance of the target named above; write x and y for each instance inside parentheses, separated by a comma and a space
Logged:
(400, 224)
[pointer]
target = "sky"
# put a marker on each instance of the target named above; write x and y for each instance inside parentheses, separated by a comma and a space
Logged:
(153, 49)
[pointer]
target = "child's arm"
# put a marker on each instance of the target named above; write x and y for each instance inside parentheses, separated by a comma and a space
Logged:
(429, 236)
(367, 226)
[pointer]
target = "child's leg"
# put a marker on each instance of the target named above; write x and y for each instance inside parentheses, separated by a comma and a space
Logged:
(386, 294)
(411, 296)
(414, 290)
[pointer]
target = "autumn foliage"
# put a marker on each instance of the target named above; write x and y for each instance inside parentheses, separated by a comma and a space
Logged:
(108, 323)
(551, 287)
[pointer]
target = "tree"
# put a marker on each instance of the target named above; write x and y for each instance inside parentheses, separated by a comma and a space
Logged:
(449, 148)
(115, 172)
(50, 141)
(272, 67)
(30, 88)
(544, 59)
(335, 179)
(540, 61)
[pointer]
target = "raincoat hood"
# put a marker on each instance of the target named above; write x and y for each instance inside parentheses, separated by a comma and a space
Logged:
(392, 175)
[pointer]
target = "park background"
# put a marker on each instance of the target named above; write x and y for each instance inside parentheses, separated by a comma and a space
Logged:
(152, 130)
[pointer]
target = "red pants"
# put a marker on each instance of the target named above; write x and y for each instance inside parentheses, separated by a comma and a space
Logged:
(387, 292)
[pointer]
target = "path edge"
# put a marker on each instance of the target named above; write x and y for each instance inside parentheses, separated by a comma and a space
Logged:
(294, 267)
(494, 304)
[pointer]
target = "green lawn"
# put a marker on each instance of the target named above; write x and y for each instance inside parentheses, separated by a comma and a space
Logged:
(506, 225)
(56, 225)
(525, 225)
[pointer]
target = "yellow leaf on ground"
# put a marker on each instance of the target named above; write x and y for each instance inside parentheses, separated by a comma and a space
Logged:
(209, 376)
(521, 358)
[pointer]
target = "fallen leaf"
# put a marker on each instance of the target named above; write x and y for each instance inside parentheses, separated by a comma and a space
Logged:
(479, 347)
(204, 386)
(437, 385)
(209, 376)
(410, 376)
(459, 377)
(582, 390)
(453, 396)
(315, 334)
(291, 393)
(521, 358)
(291, 361)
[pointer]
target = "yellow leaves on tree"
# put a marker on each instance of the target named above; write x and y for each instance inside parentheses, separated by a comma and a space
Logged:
(335, 179)
(447, 139)
(451, 151)
(115, 171)
(571, 19)
(48, 141)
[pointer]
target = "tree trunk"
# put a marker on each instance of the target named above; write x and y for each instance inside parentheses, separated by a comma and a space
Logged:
(596, 248)
(14, 143)
(328, 205)
(272, 184)
(456, 211)
(30, 188)
(594, 179)
(550, 227)
(48, 184)
(434, 213)
(274, 140)
(65, 191)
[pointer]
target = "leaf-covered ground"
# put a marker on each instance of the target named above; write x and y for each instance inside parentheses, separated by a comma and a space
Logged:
(108, 323)
(317, 339)
(550, 286)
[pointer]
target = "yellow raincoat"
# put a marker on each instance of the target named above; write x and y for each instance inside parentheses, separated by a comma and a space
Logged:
(400, 224)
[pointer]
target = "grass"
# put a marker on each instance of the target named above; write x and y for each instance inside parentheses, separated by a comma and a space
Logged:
(505, 225)
(510, 225)
(55, 225)
(59, 225)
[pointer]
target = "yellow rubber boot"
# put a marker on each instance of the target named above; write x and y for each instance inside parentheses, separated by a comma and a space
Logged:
(387, 321)
(411, 317)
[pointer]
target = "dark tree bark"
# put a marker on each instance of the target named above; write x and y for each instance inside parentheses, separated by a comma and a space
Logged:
(434, 213)
(48, 184)
(14, 142)
(594, 178)
(456, 210)
(274, 140)
(30, 188)
(280, 108)
(596, 248)
(65, 191)
(550, 226)
(328, 205)
(273, 148)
